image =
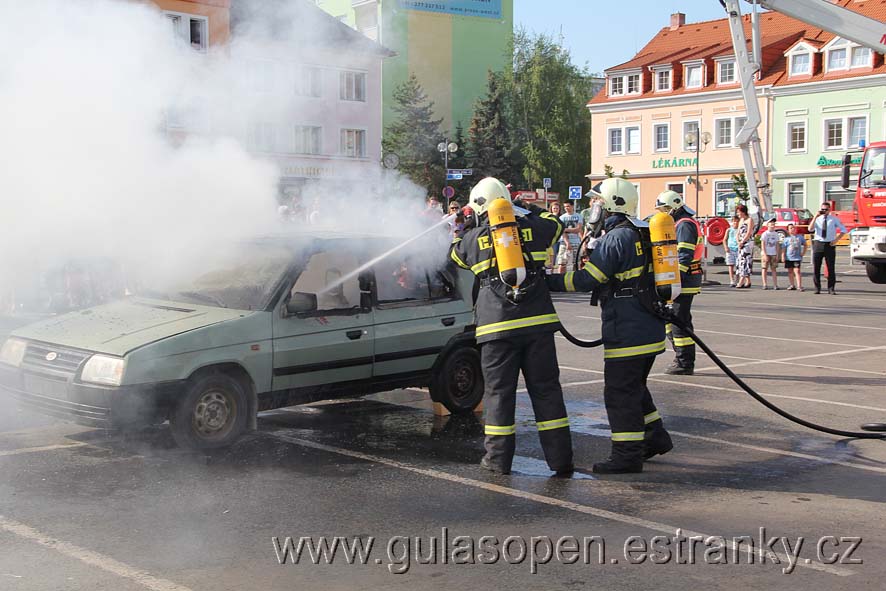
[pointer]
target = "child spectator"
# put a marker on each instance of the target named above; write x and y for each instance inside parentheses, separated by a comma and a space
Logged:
(794, 250)
(770, 242)
(732, 251)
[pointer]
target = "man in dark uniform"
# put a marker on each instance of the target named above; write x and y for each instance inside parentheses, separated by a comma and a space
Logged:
(515, 330)
(690, 250)
(619, 271)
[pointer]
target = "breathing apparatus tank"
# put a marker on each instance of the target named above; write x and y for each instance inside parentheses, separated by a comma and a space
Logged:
(506, 242)
(665, 265)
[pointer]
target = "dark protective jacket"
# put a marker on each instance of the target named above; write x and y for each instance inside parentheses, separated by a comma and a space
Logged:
(690, 249)
(497, 316)
(619, 268)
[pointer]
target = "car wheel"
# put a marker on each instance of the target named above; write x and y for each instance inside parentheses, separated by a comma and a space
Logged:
(458, 385)
(876, 272)
(212, 414)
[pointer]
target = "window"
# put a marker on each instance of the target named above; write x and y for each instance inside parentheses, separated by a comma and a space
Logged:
(797, 137)
(724, 133)
(727, 72)
(353, 143)
(801, 63)
(307, 81)
(189, 30)
(724, 198)
(262, 137)
(837, 59)
(689, 127)
(861, 57)
(306, 139)
(796, 195)
(833, 135)
(663, 80)
(324, 269)
(693, 76)
(401, 281)
(352, 86)
(633, 137)
(858, 128)
(845, 133)
(662, 134)
(739, 123)
(834, 192)
(625, 84)
(616, 145)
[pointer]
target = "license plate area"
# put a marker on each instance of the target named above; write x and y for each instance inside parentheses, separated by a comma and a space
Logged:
(41, 386)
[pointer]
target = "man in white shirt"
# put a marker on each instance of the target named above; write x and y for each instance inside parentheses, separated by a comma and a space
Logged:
(826, 231)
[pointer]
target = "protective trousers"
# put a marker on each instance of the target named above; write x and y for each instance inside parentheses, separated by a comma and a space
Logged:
(684, 346)
(633, 417)
(536, 356)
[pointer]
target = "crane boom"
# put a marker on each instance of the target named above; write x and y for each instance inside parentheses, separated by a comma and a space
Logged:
(820, 13)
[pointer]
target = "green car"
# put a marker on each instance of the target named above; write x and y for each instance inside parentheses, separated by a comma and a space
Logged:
(275, 322)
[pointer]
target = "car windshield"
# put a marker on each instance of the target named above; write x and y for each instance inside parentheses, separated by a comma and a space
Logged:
(242, 279)
(804, 214)
(873, 168)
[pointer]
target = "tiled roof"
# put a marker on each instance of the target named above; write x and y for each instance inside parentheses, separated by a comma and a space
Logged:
(711, 39)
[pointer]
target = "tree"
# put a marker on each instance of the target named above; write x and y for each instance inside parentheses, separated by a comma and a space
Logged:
(414, 136)
(488, 137)
(547, 112)
(609, 172)
(740, 186)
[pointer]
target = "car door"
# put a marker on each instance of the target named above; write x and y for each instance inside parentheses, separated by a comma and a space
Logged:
(332, 344)
(417, 310)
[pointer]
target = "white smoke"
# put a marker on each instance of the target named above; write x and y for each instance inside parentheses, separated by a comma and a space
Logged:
(88, 169)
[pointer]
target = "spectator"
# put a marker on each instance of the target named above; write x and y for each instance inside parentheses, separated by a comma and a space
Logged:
(732, 251)
(571, 238)
(557, 211)
(824, 228)
(770, 242)
(745, 247)
(794, 247)
(456, 224)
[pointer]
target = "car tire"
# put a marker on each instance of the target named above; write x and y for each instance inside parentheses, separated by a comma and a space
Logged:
(458, 382)
(212, 413)
(876, 272)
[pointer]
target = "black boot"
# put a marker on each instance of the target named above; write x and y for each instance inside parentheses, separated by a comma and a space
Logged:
(626, 458)
(675, 369)
(486, 464)
(658, 441)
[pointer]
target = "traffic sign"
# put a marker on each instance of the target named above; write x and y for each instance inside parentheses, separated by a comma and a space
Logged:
(547, 183)
(449, 192)
(461, 171)
(453, 177)
(574, 192)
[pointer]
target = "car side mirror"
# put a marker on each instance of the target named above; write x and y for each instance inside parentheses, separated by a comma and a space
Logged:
(847, 161)
(301, 303)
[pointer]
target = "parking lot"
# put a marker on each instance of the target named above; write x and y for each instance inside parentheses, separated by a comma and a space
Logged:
(85, 509)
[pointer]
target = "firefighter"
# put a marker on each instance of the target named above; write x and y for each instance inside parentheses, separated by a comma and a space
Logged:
(516, 322)
(619, 273)
(690, 250)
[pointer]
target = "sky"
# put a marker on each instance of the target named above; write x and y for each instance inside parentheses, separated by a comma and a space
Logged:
(602, 33)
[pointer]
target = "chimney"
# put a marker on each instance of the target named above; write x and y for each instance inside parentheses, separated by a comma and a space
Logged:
(678, 19)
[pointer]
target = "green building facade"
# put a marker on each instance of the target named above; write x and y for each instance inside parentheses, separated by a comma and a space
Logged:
(449, 46)
(813, 126)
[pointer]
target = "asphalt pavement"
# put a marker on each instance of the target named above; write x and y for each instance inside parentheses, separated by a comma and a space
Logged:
(742, 493)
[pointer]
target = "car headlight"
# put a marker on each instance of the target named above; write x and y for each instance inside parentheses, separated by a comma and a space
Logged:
(13, 352)
(102, 369)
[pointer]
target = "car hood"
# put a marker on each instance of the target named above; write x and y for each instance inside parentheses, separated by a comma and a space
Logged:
(124, 326)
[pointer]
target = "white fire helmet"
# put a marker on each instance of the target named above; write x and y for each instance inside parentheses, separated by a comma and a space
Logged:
(619, 196)
(668, 201)
(485, 192)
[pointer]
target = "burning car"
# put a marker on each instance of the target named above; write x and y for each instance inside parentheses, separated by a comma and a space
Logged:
(282, 322)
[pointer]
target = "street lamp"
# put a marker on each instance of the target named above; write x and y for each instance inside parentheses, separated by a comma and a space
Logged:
(446, 148)
(698, 147)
